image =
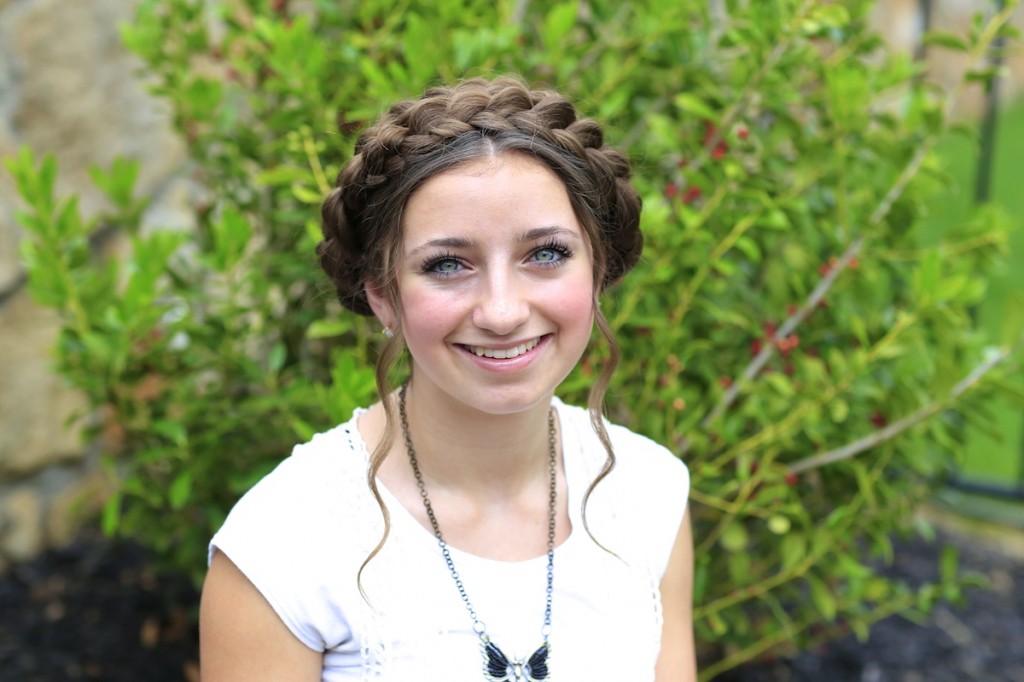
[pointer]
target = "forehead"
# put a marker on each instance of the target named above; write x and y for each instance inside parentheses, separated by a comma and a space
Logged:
(496, 195)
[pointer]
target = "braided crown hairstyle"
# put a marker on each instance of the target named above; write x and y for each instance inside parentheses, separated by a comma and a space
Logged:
(443, 129)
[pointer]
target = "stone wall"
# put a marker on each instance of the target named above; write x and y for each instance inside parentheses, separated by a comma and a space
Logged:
(68, 88)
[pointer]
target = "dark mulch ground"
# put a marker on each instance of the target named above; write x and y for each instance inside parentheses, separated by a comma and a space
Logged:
(94, 611)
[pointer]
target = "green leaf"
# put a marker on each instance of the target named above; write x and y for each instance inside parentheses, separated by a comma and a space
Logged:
(111, 515)
(793, 549)
(306, 195)
(860, 629)
(1011, 390)
(950, 41)
(822, 597)
(174, 431)
(839, 409)
(181, 490)
(949, 564)
(782, 385)
(276, 358)
(558, 23)
(304, 431)
(831, 15)
(323, 329)
(927, 276)
(119, 183)
(373, 73)
(865, 484)
(1012, 329)
(692, 104)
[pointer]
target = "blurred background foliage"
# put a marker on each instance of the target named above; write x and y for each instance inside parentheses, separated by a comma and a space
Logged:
(794, 332)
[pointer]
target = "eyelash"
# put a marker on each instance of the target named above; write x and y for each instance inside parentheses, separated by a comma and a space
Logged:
(558, 247)
(431, 264)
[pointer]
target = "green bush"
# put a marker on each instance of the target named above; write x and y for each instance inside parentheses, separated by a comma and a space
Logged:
(786, 333)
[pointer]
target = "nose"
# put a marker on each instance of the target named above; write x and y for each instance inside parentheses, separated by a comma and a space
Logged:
(502, 306)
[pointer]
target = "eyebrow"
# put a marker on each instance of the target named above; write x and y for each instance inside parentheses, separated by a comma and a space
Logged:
(464, 243)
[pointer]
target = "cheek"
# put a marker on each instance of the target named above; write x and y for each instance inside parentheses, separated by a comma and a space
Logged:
(575, 304)
(424, 313)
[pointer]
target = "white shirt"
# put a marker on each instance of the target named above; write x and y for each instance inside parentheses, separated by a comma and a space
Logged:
(302, 532)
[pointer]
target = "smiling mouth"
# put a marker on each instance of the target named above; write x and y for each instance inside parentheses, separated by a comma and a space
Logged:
(503, 353)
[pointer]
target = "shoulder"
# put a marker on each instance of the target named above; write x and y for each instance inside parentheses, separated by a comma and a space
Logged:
(307, 522)
(321, 481)
(641, 504)
(311, 477)
(638, 458)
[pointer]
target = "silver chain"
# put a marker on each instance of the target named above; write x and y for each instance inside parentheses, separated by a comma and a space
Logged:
(478, 625)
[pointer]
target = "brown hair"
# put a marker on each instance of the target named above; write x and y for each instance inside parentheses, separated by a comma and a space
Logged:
(446, 127)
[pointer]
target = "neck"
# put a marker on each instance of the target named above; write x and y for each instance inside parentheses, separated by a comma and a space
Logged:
(462, 448)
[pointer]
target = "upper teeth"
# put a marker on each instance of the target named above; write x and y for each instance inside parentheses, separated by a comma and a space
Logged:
(506, 352)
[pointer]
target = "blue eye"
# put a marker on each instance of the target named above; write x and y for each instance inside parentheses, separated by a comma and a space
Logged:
(552, 254)
(445, 265)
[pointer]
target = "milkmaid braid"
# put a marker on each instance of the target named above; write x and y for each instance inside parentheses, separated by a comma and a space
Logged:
(446, 127)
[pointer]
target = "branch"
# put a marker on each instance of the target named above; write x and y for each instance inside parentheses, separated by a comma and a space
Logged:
(892, 430)
(791, 323)
(882, 210)
(788, 633)
(519, 13)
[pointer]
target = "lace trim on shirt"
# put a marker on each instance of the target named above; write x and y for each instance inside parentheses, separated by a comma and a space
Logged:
(369, 629)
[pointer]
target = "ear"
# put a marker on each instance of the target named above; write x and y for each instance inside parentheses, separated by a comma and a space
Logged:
(379, 304)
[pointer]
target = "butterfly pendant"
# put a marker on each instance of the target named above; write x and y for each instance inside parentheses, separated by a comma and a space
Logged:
(497, 667)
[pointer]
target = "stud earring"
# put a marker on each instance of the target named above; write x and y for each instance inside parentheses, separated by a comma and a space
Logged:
(387, 331)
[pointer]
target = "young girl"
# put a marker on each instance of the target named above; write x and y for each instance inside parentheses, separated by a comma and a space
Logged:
(469, 526)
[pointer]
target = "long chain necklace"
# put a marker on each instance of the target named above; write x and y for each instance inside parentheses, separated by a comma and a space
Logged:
(498, 667)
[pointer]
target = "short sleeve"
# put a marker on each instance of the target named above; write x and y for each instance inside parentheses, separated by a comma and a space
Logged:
(653, 491)
(280, 536)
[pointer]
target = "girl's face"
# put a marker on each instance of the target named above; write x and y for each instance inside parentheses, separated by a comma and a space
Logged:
(496, 281)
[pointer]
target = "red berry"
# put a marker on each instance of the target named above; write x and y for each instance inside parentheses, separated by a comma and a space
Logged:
(691, 195)
(755, 346)
(671, 190)
(878, 420)
(827, 267)
(791, 479)
(725, 381)
(742, 132)
(718, 153)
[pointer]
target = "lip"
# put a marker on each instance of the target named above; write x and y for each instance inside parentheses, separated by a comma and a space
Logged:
(506, 364)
